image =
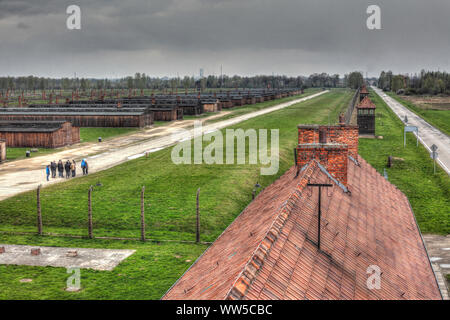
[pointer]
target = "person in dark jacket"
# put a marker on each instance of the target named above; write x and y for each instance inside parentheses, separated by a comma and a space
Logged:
(60, 169)
(73, 168)
(67, 167)
(47, 172)
(53, 169)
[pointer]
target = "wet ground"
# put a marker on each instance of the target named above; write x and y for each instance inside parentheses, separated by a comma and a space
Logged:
(438, 248)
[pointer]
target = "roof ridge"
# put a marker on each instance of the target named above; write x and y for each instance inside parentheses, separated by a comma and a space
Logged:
(366, 102)
(250, 270)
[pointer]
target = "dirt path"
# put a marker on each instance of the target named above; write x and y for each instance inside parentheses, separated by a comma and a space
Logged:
(25, 175)
(428, 135)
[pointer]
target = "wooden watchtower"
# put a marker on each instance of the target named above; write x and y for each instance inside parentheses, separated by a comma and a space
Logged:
(363, 93)
(366, 116)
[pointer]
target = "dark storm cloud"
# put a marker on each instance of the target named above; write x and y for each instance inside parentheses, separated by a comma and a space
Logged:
(27, 8)
(248, 36)
(22, 25)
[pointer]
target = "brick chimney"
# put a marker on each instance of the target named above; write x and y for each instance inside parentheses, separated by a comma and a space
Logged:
(345, 134)
(308, 133)
(330, 146)
(333, 156)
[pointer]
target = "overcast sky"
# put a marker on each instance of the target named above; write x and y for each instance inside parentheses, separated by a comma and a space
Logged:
(248, 37)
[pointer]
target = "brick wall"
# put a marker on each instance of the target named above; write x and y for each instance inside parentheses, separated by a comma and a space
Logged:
(345, 134)
(308, 133)
(333, 156)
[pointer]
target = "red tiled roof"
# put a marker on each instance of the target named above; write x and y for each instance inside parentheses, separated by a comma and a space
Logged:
(269, 251)
(366, 103)
(364, 90)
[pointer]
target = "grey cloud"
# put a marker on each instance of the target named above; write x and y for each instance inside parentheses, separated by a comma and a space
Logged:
(312, 35)
(22, 25)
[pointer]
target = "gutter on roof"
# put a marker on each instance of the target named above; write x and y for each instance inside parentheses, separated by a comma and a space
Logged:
(425, 247)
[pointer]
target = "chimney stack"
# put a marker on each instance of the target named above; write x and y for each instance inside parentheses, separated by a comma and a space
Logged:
(345, 134)
(333, 156)
(330, 146)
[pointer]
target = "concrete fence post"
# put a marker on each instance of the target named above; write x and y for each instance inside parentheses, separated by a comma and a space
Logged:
(90, 213)
(39, 213)
(197, 235)
(142, 215)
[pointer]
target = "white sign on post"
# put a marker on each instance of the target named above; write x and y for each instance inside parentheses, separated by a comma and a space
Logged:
(434, 156)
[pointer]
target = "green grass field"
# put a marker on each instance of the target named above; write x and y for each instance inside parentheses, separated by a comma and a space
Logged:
(19, 153)
(170, 213)
(92, 134)
(147, 274)
(428, 194)
(437, 117)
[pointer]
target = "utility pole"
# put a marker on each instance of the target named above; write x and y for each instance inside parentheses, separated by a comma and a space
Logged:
(142, 214)
(320, 186)
(197, 229)
(39, 213)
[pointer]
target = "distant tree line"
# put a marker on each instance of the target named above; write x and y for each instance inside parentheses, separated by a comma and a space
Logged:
(427, 82)
(143, 81)
(354, 80)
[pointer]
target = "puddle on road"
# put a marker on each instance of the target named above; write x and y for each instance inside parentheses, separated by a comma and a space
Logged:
(434, 259)
(24, 183)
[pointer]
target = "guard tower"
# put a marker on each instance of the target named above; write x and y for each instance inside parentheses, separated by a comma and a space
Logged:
(363, 93)
(366, 116)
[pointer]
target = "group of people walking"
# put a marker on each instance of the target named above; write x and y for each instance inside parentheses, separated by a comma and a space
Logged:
(69, 167)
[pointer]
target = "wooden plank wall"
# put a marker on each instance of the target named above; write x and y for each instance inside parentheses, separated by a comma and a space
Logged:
(165, 115)
(88, 120)
(64, 136)
(2, 150)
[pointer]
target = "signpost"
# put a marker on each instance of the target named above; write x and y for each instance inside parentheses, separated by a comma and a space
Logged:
(410, 129)
(434, 156)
